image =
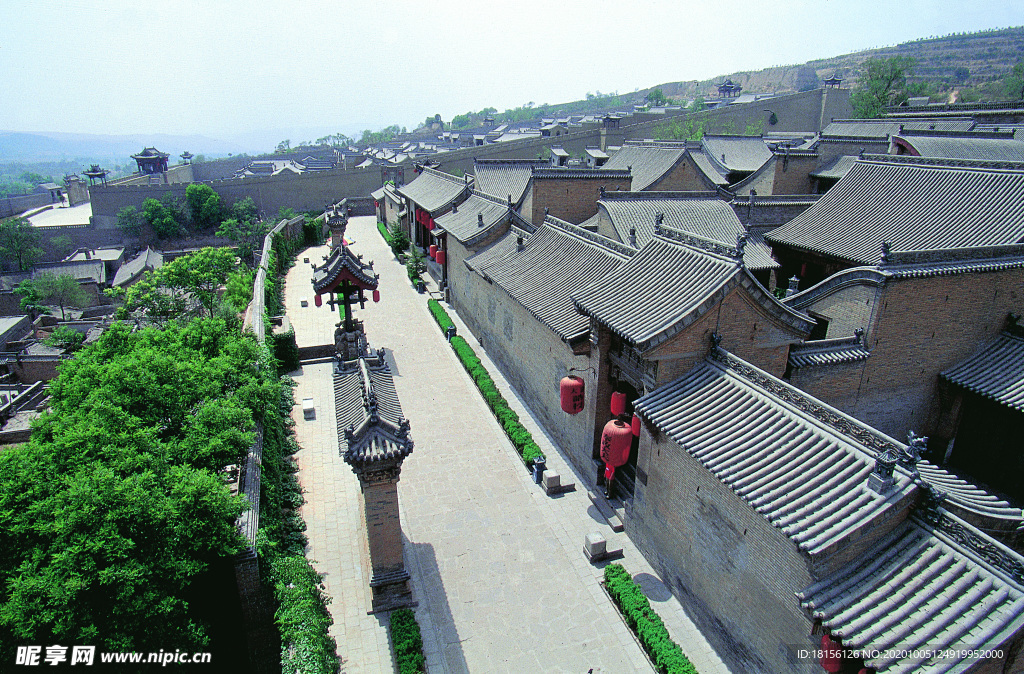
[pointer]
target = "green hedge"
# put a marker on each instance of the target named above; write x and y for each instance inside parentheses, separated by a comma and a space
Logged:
(647, 625)
(382, 228)
(302, 618)
(407, 641)
(509, 420)
(286, 350)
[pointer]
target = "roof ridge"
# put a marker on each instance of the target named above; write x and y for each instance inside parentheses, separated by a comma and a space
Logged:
(560, 172)
(624, 195)
(700, 243)
(426, 170)
(488, 197)
(943, 162)
(619, 249)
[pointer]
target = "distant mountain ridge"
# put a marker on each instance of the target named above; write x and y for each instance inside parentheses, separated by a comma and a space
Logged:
(57, 146)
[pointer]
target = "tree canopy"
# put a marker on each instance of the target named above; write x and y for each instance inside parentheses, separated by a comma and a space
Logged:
(117, 503)
(19, 243)
(204, 205)
(884, 83)
(1014, 82)
(50, 289)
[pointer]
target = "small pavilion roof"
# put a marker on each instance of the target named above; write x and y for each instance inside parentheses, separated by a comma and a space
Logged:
(434, 190)
(930, 585)
(915, 204)
(699, 213)
(505, 177)
(996, 371)
(150, 152)
(344, 265)
(372, 432)
(555, 261)
(749, 430)
(474, 218)
(736, 153)
(668, 284)
(648, 161)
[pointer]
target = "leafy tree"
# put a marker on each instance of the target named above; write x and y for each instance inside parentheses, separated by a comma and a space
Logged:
(238, 290)
(656, 97)
(130, 221)
(1014, 82)
(676, 129)
(62, 245)
(245, 230)
(31, 300)
(66, 338)
(63, 291)
(698, 104)
(19, 243)
(163, 218)
(884, 84)
(244, 209)
(204, 205)
(283, 146)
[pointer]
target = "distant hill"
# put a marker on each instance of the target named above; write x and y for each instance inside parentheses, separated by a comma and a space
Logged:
(55, 146)
(971, 64)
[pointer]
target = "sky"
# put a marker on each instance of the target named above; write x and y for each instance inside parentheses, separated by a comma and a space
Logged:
(224, 68)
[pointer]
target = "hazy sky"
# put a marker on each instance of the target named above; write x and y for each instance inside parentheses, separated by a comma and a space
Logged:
(224, 67)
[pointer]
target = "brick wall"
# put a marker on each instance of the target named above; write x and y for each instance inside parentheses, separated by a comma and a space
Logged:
(570, 199)
(792, 174)
(732, 570)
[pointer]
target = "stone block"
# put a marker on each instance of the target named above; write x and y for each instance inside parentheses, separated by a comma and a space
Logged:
(551, 480)
(308, 411)
(595, 546)
(303, 302)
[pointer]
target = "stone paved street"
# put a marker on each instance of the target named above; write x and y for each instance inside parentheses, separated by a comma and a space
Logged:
(497, 566)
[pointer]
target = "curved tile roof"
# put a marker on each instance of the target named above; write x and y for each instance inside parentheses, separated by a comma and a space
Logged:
(695, 213)
(996, 372)
(708, 169)
(736, 153)
(806, 479)
(835, 169)
(343, 264)
(918, 588)
(883, 128)
(464, 221)
(433, 190)
(988, 149)
(648, 162)
(556, 261)
(505, 177)
(371, 427)
(914, 206)
(827, 352)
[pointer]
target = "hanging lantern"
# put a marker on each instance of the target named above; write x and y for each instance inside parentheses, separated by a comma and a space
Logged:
(317, 300)
(572, 391)
(433, 251)
(376, 204)
(430, 223)
(636, 425)
(831, 660)
(618, 403)
(440, 257)
(376, 296)
(616, 441)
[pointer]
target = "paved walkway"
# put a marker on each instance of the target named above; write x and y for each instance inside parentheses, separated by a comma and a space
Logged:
(62, 215)
(497, 566)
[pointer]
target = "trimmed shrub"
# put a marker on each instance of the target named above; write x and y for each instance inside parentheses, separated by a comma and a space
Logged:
(440, 315)
(407, 641)
(286, 351)
(648, 626)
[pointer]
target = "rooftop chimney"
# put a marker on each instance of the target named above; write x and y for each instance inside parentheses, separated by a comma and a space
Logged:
(519, 244)
(479, 219)
(632, 237)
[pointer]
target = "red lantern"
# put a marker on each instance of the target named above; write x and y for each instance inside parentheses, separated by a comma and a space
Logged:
(317, 301)
(433, 251)
(572, 389)
(618, 403)
(831, 660)
(376, 296)
(440, 257)
(616, 441)
(376, 204)
(636, 425)
(430, 223)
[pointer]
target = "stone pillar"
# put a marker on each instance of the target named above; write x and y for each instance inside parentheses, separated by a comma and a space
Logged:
(390, 581)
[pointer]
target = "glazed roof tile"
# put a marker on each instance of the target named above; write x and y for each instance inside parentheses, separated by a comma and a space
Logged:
(464, 223)
(433, 190)
(990, 149)
(556, 261)
(668, 284)
(736, 153)
(914, 204)
(921, 587)
(649, 162)
(505, 177)
(827, 352)
(805, 478)
(371, 427)
(702, 214)
(995, 372)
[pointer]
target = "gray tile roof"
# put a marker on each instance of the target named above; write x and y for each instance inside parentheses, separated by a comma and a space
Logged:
(343, 263)
(556, 261)
(80, 270)
(920, 587)
(699, 213)
(708, 169)
(989, 149)
(505, 177)
(433, 190)
(649, 162)
(736, 153)
(371, 427)
(883, 128)
(808, 480)
(968, 500)
(670, 283)
(914, 205)
(147, 260)
(995, 372)
(827, 352)
(835, 169)
(377, 194)
(464, 222)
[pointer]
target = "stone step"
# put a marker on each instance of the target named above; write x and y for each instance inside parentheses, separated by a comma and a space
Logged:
(606, 510)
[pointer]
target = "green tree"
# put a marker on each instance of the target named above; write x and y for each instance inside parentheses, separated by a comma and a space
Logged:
(245, 230)
(130, 221)
(698, 104)
(19, 243)
(1014, 82)
(31, 300)
(62, 245)
(399, 240)
(204, 205)
(163, 218)
(883, 83)
(656, 97)
(66, 338)
(63, 291)
(283, 146)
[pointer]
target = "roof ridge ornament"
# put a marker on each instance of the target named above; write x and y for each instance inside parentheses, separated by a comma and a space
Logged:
(659, 219)
(886, 252)
(741, 244)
